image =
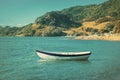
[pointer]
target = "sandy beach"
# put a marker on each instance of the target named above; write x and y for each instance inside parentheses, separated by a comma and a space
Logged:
(114, 37)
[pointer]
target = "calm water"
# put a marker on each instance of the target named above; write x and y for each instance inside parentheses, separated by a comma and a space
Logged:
(18, 60)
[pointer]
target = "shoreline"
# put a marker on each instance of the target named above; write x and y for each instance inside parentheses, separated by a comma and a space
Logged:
(104, 37)
(111, 37)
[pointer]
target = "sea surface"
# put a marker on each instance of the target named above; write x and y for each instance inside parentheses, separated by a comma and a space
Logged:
(18, 60)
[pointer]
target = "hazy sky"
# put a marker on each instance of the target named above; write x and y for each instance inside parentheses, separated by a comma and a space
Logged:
(21, 12)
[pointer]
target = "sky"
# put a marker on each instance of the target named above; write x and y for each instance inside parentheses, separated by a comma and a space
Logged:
(22, 12)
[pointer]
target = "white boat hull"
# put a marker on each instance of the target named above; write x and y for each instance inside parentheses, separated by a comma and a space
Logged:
(81, 56)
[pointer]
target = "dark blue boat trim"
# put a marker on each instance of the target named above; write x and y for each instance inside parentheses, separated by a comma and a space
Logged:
(62, 55)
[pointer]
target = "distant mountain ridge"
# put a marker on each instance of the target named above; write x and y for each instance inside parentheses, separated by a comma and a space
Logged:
(93, 12)
(56, 18)
(57, 23)
(83, 13)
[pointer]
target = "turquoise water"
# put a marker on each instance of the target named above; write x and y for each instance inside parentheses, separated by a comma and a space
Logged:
(18, 60)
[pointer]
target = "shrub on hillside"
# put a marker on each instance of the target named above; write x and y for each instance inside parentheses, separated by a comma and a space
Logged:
(54, 31)
(104, 19)
(109, 26)
(117, 27)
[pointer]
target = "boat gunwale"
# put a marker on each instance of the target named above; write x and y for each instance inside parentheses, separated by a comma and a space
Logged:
(62, 55)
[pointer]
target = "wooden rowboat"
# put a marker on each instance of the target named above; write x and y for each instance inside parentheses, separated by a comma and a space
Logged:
(63, 55)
